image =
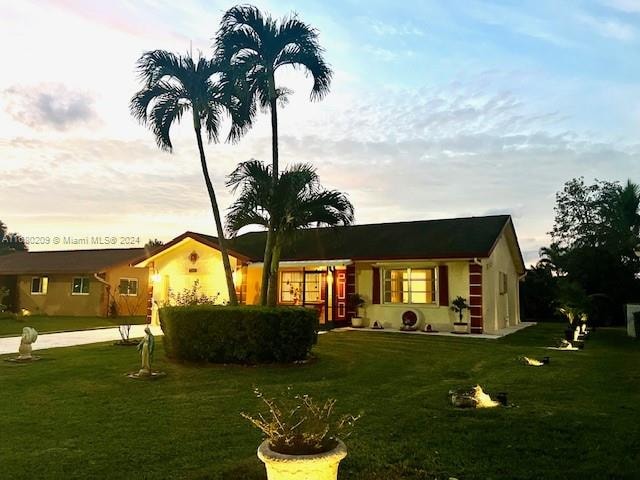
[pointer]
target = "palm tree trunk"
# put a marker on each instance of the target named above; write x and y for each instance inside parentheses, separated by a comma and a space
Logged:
(268, 249)
(233, 299)
(273, 274)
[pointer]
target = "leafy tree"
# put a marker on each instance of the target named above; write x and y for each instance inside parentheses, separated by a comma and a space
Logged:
(595, 236)
(172, 86)
(538, 292)
(254, 46)
(10, 241)
(153, 243)
(296, 201)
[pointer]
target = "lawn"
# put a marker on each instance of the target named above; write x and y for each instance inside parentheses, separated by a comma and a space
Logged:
(75, 415)
(13, 326)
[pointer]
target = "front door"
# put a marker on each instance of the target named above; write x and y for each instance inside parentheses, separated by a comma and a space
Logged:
(340, 296)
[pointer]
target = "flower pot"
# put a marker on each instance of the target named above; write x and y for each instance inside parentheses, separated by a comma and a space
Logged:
(357, 322)
(460, 327)
(321, 466)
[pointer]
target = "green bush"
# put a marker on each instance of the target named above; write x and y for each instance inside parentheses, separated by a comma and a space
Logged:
(246, 334)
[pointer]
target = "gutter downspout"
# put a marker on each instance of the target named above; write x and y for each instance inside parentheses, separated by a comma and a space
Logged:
(477, 261)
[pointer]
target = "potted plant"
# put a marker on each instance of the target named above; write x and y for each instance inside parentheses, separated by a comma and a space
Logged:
(459, 305)
(301, 437)
(356, 301)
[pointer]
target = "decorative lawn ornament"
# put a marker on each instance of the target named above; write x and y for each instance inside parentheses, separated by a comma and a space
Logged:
(429, 329)
(377, 325)
(409, 321)
(474, 398)
(29, 336)
(146, 348)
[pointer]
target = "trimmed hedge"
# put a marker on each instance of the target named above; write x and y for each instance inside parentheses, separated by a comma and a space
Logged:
(245, 334)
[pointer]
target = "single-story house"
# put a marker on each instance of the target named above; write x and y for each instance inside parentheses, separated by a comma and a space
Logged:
(419, 265)
(76, 282)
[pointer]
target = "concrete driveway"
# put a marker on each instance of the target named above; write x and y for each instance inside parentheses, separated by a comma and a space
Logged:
(69, 339)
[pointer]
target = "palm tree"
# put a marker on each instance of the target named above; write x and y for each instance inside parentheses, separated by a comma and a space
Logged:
(296, 201)
(173, 85)
(254, 46)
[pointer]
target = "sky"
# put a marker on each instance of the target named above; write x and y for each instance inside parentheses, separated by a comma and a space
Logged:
(436, 110)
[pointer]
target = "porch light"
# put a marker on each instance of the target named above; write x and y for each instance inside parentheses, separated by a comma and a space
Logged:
(155, 278)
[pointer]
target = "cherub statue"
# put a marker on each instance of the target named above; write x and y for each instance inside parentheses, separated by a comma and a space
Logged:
(146, 347)
(29, 336)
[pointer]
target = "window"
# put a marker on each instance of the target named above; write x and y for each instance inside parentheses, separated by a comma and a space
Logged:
(291, 287)
(314, 281)
(128, 287)
(410, 285)
(39, 285)
(80, 286)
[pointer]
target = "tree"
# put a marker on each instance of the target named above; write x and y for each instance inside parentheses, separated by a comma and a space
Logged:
(173, 85)
(296, 201)
(595, 235)
(153, 243)
(11, 241)
(254, 47)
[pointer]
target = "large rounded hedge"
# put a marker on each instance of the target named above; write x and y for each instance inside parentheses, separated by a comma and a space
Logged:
(245, 334)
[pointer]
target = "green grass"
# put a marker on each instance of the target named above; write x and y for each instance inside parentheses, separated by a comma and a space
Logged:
(75, 415)
(13, 326)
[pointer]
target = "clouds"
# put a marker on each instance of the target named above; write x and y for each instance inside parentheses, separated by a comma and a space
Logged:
(49, 106)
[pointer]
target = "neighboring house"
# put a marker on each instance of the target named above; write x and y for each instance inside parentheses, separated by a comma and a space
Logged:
(421, 265)
(76, 282)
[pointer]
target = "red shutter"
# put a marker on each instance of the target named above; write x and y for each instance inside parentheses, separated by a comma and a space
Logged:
(443, 285)
(375, 293)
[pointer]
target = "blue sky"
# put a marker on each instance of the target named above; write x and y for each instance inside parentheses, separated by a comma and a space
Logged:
(437, 109)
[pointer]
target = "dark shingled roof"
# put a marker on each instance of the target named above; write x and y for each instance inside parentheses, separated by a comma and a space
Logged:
(448, 238)
(66, 261)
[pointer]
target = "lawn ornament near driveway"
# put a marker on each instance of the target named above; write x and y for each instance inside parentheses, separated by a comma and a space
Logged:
(473, 398)
(146, 348)
(29, 336)
(409, 321)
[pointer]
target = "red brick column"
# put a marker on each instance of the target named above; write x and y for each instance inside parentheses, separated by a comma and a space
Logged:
(475, 297)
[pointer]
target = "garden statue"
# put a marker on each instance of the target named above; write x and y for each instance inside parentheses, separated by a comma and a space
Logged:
(146, 347)
(576, 334)
(29, 335)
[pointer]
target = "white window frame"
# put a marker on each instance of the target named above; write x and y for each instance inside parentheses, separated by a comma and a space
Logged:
(407, 269)
(44, 285)
(82, 282)
(129, 280)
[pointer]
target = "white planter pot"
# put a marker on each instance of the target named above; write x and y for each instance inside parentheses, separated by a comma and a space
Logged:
(357, 322)
(459, 327)
(322, 466)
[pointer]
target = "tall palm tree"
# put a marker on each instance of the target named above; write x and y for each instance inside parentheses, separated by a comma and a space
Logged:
(173, 85)
(296, 201)
(255, 46)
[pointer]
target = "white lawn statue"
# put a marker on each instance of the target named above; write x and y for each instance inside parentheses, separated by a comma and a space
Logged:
(29, 335)
(576, 334)
(146, 347)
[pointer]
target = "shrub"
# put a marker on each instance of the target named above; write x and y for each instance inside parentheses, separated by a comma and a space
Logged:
(247, 334)
(7, 315)
(298, 425)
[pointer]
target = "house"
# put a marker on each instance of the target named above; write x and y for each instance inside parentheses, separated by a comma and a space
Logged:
(420, 265)
(76, 282)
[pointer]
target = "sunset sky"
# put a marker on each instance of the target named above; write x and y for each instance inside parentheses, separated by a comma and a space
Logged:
(437, 109)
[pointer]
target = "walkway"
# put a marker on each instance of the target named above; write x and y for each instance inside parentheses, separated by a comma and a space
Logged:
(500, 333)
(69, 339)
